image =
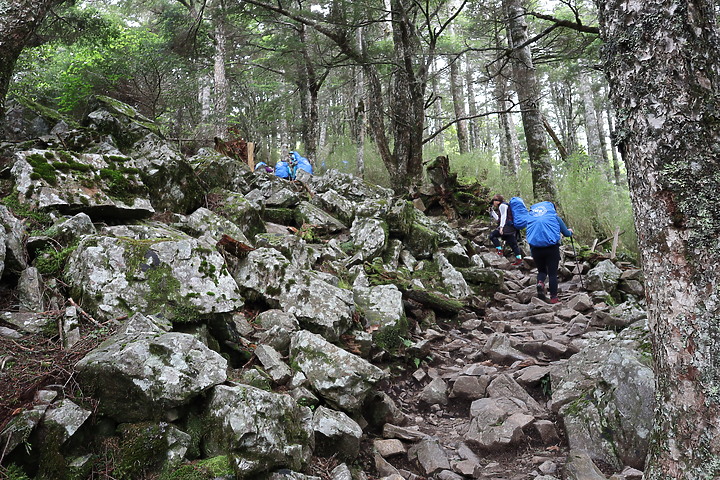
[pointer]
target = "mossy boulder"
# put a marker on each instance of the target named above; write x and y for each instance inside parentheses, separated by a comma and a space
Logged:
(143, 371)
(153, 270)
(240, 211)
(260, 431)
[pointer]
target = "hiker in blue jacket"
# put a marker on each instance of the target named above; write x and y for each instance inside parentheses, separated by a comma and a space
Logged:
(505, 229)
(299, 162)
(544, 230)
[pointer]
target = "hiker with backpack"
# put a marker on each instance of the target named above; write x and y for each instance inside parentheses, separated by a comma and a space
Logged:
(505, 229)
(544, 234)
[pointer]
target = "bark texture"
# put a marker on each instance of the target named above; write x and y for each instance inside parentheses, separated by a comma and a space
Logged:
(662, 63)
(18, 21)
(526, 85)
(456, 88)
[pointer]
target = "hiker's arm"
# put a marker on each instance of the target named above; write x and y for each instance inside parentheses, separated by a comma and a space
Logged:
(564, 229)
(503, 216)
(493, 214)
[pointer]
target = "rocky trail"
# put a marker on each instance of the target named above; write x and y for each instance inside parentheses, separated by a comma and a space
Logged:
(479, 404)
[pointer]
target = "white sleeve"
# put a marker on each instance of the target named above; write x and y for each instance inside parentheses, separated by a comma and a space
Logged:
(494, 215)
(503, 214)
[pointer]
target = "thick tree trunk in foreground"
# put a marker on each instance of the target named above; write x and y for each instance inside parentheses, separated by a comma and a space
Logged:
(18, 21)
(662, 62)
(526, 85)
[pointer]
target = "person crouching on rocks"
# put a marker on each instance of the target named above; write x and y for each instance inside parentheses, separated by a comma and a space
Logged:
(505, 229)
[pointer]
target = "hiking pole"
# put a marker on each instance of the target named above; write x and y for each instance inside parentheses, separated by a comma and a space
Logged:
(572, 242)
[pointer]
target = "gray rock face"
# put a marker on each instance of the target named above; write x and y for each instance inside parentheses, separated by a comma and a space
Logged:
(68, 417)
(344, 380)
(497, 422)
(218, 171)
(453, 280)
(262, 431)
(100, 185)
(241, 212)
(370, 236)
(349, 186)
(155, 270)
(12, 238)
(170, 179)
(381, 304)
(307, 213)
(142, 372)
(204, 222)
(30, 291)
(605, 276)
(605, 395)
(265, 274)
(336, 434)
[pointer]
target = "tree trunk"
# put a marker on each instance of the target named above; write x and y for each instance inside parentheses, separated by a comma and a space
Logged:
(18, 22)
(509, 156)
(309, 84)
(562, 99)
(360, 112)
(662, 64)
(456, 88)
(407, 99)
(528, 90)
(437, 104)
(473, 124)
(221, 84)
(205, 101)
(592, 131)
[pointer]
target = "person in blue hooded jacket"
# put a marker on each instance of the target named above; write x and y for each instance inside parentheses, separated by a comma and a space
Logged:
(298, 162)
(544, 234)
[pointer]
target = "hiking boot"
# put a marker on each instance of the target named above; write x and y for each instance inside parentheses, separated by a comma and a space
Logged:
(541, 290)
(554, 300)
(518, 261)
(499, 252)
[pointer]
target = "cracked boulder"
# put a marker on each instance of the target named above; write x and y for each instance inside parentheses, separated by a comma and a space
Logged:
(144, 371)
(153, 270)
(262, 431)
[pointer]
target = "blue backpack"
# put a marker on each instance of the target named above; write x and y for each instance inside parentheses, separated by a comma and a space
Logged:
(519, 212)
(543, 227)
(282, 169)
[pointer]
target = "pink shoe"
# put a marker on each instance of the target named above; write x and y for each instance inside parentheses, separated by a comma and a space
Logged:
(554, 300)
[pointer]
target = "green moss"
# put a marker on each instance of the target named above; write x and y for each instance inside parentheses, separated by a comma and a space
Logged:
(51, 261)
(64, 156)
(42, 169)
(163, 296)
(142, 450)
(13, 472)
(34, 219)
(79, 167)
(392, 338)
(204, 470)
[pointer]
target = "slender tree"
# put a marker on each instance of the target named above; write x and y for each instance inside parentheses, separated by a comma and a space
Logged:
(526, 85)
(662, 63)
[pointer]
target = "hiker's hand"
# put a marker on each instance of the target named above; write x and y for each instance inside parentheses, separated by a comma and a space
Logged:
(501, 230)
